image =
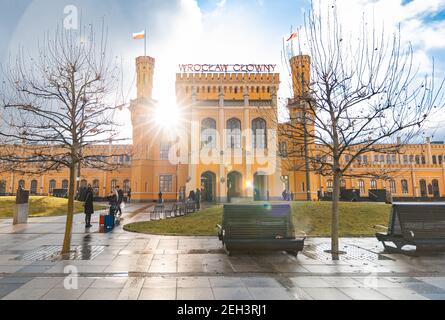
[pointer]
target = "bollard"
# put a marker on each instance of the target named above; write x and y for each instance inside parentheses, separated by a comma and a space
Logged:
(21, 206)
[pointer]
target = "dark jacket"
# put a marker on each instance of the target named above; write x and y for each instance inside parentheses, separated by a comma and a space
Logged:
(89, 209)
(121, 196)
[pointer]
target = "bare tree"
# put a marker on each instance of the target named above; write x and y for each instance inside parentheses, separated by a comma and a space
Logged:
(56, 105)
(365, 96)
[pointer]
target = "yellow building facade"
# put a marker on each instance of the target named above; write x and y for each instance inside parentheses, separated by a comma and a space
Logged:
(227, 144)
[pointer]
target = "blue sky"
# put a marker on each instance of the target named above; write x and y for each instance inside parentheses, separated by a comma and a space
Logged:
(228, 31)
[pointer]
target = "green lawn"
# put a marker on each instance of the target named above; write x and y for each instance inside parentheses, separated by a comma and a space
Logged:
(314, 218)
(41, 207)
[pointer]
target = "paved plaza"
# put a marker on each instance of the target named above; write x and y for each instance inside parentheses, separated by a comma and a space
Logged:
(123, 265)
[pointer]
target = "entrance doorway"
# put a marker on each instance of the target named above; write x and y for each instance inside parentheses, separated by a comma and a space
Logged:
(436, 191)
(234, 180)
(260, 187)
(208, 184)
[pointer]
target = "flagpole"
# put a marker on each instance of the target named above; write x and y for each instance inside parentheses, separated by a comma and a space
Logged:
(145, 42)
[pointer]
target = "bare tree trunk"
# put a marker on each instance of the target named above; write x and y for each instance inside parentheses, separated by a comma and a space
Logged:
(69, 217)
(335, 219)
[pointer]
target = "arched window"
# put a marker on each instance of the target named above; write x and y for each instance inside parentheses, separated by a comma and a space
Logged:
(33, 188)
(65, 184)
(259, 131)
(329, 185)
(126, 185)
(234, 133)
(373, 184)
(436, 191)
(392, 186)
(52, 186)
(434, 160)
(208, 133)
(361, 186)
(342, 183)
(22, 183)
(96, 187)
(404, 184)
(113, 184)
(83, 183)
(2, 187)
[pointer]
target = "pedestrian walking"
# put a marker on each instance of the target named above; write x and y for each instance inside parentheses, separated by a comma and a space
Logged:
(198, 198)
(88, 206)
(129, 195)
(120, 199)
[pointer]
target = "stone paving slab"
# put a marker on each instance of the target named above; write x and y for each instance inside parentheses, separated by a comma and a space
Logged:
(136, 266)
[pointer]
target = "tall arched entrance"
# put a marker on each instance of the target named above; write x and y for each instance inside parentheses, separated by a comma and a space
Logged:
(436, 190)
(234, 182)
(208, 186)
(260, 187)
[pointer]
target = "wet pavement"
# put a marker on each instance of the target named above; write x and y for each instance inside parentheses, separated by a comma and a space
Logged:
(122, 265)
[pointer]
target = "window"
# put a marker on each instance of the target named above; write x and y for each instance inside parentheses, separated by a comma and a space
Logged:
(440, 159)
(285, 180)
(343, 183)
(208, 133)
(405, 158)
(411, 159)
(2, 187)
(423, 160)
(365, 159)
(126, 185)
(376, 159)
(394, 159)
(404, 186)
(417, 159)
(361, 185)
(434, 160)
(33, 189)
(283, 149)
(113, 184)
(259, 131)
(65, 184)
(165, 183)
(234, 133)
(373, 184)
(22, 183)
(347, 158)
(382, 158)
(165, 150)
(96, 187)
(52, 186)
(392, 186)
(388, 159)
(330, 185)
(83, 183)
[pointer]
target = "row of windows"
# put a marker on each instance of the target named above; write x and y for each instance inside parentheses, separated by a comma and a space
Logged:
(425, 189)
(236, 90)
(259, 133)
(52, 184)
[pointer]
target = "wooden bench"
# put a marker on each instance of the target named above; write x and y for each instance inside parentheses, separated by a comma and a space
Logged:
(259, 227)
(417, 224)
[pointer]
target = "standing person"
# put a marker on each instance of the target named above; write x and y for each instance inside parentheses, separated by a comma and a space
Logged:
(120, 199)
(160, 200)
(88, 206)
(192, 195)
(129, 195)
(198, 199)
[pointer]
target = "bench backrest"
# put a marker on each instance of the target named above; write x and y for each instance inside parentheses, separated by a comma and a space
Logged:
(258, 221)
(424, 221)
